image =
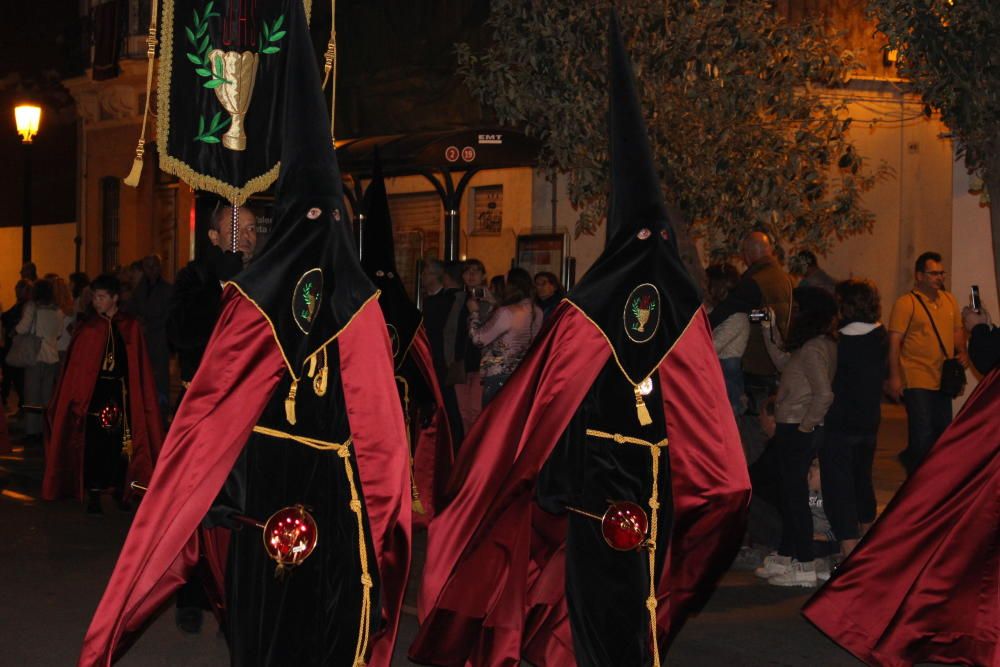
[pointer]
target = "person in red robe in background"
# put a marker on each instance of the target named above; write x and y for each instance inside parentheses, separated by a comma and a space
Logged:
(104, 428)
(419, 392)
(293, 409)
(924, 583)
(604, 489)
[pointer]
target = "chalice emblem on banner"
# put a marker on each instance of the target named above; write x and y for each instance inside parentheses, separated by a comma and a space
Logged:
(239, 72)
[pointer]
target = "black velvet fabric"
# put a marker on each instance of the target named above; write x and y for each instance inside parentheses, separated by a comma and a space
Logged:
(378, 258)
(191, 103)
(104, 464)
(312, 615)
(606, 589)
(637, 209)
(311, 222)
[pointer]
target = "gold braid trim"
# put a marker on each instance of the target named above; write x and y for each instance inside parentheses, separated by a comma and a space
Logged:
(172, 165)
(418, 506)
(344, 452)
(654, 506)
(641, 410)
(330, 67)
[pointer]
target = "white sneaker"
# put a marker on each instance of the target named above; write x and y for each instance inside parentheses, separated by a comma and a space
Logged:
(774, 564)
(798, 574)
(823, 569)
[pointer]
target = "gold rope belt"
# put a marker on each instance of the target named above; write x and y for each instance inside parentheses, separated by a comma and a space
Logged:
(654, 505)
(344, 452)
(418, 506)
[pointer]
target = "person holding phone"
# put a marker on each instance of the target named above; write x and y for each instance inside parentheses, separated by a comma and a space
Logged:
(984, 338)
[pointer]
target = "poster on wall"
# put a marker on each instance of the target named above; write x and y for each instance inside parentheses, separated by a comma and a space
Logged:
(542, 252)
(487, 210)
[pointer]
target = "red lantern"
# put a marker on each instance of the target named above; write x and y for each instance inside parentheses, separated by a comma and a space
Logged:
(290, 535)
(624, 526)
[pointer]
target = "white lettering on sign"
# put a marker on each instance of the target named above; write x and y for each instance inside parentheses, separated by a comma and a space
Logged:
(496, 139)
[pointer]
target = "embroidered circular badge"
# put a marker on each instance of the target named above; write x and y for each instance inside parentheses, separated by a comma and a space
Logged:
(642, 313)
(393, 340)
(306, 298)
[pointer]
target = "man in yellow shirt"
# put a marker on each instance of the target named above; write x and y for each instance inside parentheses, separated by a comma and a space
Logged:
(916, 357)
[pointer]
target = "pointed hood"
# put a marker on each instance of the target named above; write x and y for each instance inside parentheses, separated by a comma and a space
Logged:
(638, 292)
(307, 281)
(379, 262)
(636, 195)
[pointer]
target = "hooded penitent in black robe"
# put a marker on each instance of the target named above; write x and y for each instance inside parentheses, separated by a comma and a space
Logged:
(293, 403)
(621, 398)
(419, 390)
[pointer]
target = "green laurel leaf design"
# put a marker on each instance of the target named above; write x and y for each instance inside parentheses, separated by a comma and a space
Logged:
(268, 50)
(277, 35)
(210, 140)
(203, 72)
(193, 58)
(279, 22)
(214, 83)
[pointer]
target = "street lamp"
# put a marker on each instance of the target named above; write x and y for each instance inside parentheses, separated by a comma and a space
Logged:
(28, 117)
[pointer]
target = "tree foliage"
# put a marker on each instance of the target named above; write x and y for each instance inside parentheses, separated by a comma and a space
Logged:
(735, 100)
(948, 51)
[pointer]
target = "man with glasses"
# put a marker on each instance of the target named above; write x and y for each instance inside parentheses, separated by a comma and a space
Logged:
(923, 321)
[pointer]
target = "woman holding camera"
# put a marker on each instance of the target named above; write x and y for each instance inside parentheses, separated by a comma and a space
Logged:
(807, 362)
(507, 334)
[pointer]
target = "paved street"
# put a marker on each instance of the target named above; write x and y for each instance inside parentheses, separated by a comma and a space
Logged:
(56, 561)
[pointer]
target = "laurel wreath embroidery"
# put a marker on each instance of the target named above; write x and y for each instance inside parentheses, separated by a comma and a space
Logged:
(274, 33)
(310, 302)
(211, 135)
(199, 38)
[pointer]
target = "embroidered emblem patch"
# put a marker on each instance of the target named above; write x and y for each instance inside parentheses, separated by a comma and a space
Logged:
(642, 313)
(306, 299)
(393, 340)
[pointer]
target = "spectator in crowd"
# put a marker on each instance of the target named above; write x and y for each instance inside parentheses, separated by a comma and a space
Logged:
(29, 272)
(506, 334)
(13, 377)
(80, 285)
(469, 393)
(151, 304)
(64, 301)
(807, 361)
(923, 321)
(764, 284)
(431, 278)
(41, 317)
(549, 291)
(441, 321)
(851, 425)
(812, 274)
(222, 228)
(984, 339)
(731, 335)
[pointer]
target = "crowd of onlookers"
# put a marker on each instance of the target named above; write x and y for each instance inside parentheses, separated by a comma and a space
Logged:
(807, 364)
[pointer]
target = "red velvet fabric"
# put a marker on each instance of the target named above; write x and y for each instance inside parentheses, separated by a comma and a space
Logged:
(433, 455)
(923, 584)
(493, 586)
(241, 367)
(66, 415)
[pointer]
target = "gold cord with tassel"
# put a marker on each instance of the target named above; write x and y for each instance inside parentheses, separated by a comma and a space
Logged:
(418, 506)
(290, 402)
(127, 447)
(319, 382)
(132, 180)
(641, 409)
(330, 66)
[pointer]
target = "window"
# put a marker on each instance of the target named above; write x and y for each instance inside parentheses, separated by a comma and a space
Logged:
(109, 222)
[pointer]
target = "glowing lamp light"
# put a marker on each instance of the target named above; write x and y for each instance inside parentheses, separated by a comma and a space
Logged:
(28, 117)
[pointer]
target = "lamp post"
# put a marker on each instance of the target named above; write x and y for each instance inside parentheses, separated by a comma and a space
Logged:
(28, 117)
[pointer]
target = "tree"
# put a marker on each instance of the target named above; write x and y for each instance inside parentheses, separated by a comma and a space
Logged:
(947, 49)
(733, 97)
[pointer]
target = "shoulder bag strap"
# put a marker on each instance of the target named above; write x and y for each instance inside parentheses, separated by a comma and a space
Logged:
(933, 326)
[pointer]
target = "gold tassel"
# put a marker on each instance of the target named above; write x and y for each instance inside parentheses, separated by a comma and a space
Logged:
(641, 409)
(319, 382)
(132, 180)
(290, 402)
(127, 448)
(311, 371)
(418, 506)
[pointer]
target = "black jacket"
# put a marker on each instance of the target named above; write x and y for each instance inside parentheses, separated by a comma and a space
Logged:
(857, 384)
(984, 348)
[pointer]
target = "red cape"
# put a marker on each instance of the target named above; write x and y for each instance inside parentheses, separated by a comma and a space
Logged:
(923, 584)
(493, 585)
(242, 366)
(433, 453)
(67, 412)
